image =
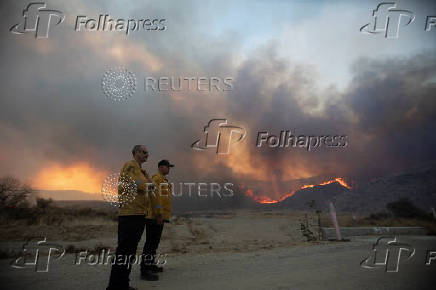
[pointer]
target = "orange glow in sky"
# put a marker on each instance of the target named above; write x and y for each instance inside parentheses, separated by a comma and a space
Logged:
(80, 176)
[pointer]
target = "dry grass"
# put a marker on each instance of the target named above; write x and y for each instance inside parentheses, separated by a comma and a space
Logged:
(347, 220)
(69, 224)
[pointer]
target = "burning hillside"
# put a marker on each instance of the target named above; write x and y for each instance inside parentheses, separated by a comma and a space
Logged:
(267, 200)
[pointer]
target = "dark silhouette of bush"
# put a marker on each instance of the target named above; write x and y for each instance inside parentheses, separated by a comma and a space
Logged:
(13, 193)
(404, 208)
(14, 205)
(43, 203)
(380, 216)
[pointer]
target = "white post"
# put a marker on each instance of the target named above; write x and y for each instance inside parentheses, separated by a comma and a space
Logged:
(434, 212)
(335, 221)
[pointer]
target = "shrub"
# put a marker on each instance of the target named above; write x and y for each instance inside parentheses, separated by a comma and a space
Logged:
(13, 193)
(380, 215)
(404, 208)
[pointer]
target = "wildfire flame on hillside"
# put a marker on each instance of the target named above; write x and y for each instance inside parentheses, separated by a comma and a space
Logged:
(265, 199)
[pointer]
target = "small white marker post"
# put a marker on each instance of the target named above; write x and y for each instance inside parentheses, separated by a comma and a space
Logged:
(335, 221)
(434, 212)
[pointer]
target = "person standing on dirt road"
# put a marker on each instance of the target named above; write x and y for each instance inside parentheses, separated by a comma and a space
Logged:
(159, 213)
(131, 220)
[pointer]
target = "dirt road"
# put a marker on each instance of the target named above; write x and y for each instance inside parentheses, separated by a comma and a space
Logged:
(331, 265)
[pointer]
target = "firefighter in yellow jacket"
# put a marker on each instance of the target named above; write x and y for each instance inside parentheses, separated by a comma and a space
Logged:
(131, 218)
(159, 212)
(133, 202)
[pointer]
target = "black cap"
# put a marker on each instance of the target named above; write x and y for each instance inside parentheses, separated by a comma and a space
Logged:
(165, 162)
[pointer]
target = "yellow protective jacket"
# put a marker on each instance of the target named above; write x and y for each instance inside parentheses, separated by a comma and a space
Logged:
(140, 204)
(160, 201)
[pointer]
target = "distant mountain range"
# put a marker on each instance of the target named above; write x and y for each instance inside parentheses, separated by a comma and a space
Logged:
(418, 184)
(68, 195)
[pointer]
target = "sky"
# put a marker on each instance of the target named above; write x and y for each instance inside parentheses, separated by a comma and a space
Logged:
(302, 66)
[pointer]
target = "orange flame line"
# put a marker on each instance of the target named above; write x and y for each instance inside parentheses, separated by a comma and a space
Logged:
(268, 200)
